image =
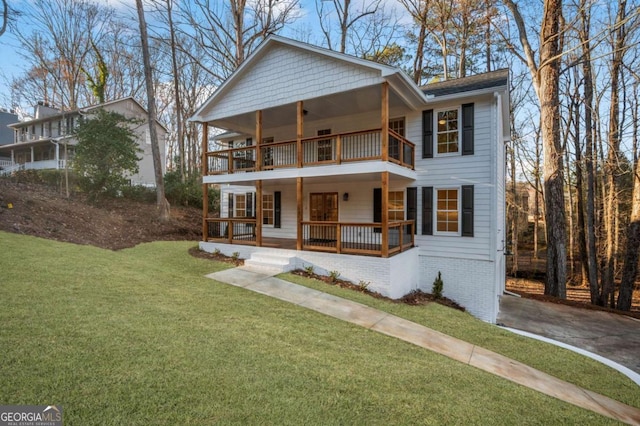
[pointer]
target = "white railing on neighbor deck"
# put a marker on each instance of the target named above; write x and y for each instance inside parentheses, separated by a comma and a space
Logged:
(6, 170)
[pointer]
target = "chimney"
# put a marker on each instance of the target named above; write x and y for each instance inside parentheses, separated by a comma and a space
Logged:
(42, 110)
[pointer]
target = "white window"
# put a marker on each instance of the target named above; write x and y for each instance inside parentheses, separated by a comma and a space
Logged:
(447, 211)
(267, 209)
(396, 205)
(448, 131)
(240, 207)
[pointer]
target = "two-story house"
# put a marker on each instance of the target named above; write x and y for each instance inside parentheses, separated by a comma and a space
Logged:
(343, 164)
(47, 141)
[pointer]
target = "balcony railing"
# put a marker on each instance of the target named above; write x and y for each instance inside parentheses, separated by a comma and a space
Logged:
(319, 150)
(333, 237)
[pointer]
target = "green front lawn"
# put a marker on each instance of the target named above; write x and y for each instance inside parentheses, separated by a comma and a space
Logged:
(139, 336)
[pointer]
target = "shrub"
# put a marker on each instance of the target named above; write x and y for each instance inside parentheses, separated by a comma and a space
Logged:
(139, 193)
(107, 150)
(189, 192)
(436, 290)
(333, 276)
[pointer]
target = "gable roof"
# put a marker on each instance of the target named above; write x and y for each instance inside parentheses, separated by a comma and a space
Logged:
(488, 80)
(395, 76)
(80, 111)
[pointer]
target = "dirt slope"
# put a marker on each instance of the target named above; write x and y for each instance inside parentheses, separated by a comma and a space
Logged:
(113, 224)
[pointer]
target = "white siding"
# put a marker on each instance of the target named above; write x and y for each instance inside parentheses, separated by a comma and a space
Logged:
(280, 78)
(455, 171)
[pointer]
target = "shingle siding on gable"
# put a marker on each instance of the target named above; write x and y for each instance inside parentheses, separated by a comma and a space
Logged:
(276, 80)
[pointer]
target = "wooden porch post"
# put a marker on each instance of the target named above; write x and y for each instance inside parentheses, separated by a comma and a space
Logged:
(299, 131)
(205, 187)
(259, 213)
(384, 137)
(258, 140)
(385, 214)
(299, 198)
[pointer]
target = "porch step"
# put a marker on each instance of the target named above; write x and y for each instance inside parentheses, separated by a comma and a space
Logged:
(271, 263)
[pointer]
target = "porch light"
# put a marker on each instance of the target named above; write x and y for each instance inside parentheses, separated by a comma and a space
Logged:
(345, 196)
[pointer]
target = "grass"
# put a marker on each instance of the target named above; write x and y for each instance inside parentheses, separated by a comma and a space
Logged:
(140, 337)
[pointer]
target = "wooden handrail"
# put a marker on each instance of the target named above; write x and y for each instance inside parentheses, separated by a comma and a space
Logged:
(341, 140)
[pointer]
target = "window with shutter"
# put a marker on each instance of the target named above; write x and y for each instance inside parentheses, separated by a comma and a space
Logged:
(467, 210)
(427, 210)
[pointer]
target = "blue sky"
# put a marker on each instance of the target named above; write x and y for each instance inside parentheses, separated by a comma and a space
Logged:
(12, 64)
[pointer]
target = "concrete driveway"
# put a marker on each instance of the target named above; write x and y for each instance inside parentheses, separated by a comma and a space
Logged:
(616, 337)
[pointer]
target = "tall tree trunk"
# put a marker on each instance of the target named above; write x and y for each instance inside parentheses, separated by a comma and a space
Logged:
(613, 154)
(487, 34)
(545, 79)
(176, 89)
(161, 201)
(581, 234)
(538, 194)
(514, 212)
(549, 72)
(630, 268)
(590, 225)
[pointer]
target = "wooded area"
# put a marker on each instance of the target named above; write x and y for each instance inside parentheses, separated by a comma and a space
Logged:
(575, 93)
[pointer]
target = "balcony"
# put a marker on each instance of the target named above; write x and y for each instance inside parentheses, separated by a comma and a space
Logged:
(363, 239)
(332, 149)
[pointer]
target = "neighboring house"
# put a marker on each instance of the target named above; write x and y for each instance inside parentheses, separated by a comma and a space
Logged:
(346, 165)
(6, 134)
(47, 142)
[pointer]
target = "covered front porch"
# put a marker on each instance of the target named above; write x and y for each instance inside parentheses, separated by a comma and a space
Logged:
(35, 155)
(332, 237)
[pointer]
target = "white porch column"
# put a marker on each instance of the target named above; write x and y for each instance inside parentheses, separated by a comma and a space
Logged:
(57, 156)
(32, 155)
(13, 158)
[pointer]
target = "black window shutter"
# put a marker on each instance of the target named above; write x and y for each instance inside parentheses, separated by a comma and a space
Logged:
(427, 210)
(377, 208)
(230, 207)
(248, 205)
(412, 207)
(427, 134)
(377, 205)
(467, 210)
(276, 210)
(467, 129)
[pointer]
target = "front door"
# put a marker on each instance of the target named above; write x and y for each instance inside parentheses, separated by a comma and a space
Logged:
(323, 208)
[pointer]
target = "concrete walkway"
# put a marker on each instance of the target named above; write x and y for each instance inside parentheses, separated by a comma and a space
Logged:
(427, 338)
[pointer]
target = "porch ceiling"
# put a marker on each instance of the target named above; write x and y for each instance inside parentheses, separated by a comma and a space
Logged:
(338, 105)
(319, 174)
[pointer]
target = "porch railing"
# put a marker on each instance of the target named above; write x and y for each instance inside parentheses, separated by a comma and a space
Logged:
(333, 237)
(356, 238)
(318, 150)
(232, 230)
(7, 169)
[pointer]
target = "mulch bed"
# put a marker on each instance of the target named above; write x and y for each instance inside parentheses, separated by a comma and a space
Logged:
(414, 298)
(196, 252)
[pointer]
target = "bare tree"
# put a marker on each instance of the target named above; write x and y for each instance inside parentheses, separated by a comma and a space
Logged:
(545, 77)
(229, 31)
(59, 40)
(161, 201)
(612, 170)
(5, 17)
(347, 17)
(630, 269)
